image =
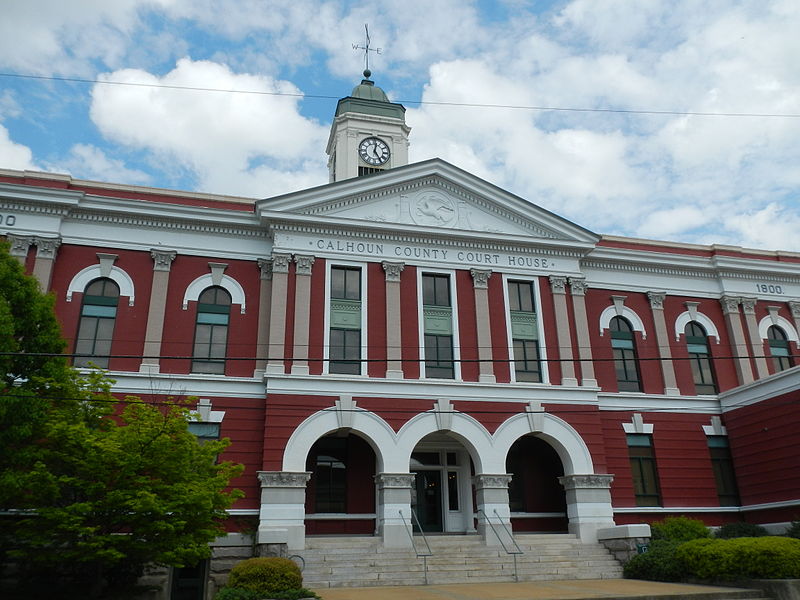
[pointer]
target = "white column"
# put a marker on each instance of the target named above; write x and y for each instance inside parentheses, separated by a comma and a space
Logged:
(394, 341)
(283, 513)
(558, 285)
(154, 331)
(491, 494)
(577, 288)
(662, 340)
(264, 301)
(277, 312)
(756, 343)
(394, 508)
(588, 504)
(302, 310)
(480, 285)
(46, 249)
(730, 308)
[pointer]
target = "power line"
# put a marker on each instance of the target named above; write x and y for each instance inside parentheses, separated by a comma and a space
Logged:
(416, 102)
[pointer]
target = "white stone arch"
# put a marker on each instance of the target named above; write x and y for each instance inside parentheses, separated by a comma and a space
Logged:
(233, 287)
(369, 426)
(474, 436)
(565, 440)
(85, 276)
(785, 324)
(686, 317)
(625, 312)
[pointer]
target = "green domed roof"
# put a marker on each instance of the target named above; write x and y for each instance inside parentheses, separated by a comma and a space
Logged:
(368, 98)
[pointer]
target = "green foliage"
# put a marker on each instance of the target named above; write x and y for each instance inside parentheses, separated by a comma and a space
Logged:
(679, 529)
(266, 575)
(740, 529)
(657, 564)
(298, 594)
(230, 593)
(794, 530)
(741, 558)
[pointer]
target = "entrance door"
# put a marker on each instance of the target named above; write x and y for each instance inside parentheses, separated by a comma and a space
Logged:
(188, 583)
(429, 500)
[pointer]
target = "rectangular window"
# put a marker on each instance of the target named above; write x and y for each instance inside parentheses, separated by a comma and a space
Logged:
(330, 475)
(452, 490)
(437, 313)
(644, 470)
(524, 332)
(722, 463)
(344, 342)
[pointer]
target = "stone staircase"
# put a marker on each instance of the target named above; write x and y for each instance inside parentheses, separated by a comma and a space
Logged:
(361, 561)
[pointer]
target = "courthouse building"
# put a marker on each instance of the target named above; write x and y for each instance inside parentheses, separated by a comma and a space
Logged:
(410, 336)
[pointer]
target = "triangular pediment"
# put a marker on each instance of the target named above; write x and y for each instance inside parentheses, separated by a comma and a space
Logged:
(431, 195)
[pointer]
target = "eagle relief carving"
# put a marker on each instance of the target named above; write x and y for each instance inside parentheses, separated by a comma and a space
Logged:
(433, 208)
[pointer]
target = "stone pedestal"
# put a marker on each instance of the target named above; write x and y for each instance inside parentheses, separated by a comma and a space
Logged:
(282, 514)
(491, 494)
(588, 504)
(394, 496)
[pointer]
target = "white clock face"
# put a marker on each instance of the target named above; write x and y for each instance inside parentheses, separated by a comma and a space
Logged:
(373, 151)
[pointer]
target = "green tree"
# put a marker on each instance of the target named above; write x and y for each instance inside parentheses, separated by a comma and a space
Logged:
(100, 487)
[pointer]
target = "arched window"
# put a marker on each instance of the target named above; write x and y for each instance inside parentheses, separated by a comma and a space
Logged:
(625, 361)
(211, 331)
(700, 358)
(96, 328)
(779, 348)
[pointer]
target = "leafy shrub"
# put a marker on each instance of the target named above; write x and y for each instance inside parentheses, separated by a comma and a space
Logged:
(738, 530)
(229, 593)
(659, 563)
(298, 594)
(679, 529)
(741, 558)
(794, 530)
(266, 576)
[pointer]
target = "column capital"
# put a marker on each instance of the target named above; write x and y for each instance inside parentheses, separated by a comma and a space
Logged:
(794, 306)
(571, 482)
(393, 270)
(558, 284)
(162, 259)
(749, 305)
(280, 262)
(730, 304)
(265, 266)
(303, 262)
(46, 247)
(395, 480)
(283, 479)
(578, 286)
(20, 244)
(657, 300)
(495, 480)
(480, 278)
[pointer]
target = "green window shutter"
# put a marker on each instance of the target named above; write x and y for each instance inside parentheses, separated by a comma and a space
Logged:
(438, 320)
(345, 314)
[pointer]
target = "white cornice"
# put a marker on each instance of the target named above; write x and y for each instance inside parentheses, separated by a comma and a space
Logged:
(38, 199)
(763, 389)
(332, 385)
(630, 401)
(179, 385)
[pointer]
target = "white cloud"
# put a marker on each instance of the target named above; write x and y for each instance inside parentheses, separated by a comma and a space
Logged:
(90, 162)
(13, 155)
(233, 143)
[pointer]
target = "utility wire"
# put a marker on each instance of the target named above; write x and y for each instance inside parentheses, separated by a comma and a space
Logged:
(416, 102)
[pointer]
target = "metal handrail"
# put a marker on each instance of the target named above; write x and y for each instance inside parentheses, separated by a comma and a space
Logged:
(514, 553)
(423, 555)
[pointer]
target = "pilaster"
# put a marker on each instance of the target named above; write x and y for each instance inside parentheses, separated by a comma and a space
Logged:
(730, 308)
(282, 514)
(662, 341)
(302, 313)
(264, 301)
(46, 249)
(480, 285)
(578, 286)
(491, 495)
(154, 331)
(558, 285)
(20, 246)
(277, 312)
(394, 508)
(756, 343)
(394, 350)
(588, 504)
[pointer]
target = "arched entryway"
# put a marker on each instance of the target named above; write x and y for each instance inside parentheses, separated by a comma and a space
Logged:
(441, 495)
(340, 494)
(536, 497)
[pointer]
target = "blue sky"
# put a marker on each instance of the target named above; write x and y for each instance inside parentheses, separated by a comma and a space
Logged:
(682, 177)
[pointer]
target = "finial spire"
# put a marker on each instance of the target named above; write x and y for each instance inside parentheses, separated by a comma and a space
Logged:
(366, 50)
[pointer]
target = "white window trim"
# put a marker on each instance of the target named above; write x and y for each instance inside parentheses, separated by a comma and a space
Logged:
(686, 317)
(612, 311)
(542, 342)
(206, 281)
(204, 413)
(421, 322)
(716, 427)
(85, 276)
(637, 425)
(329, 264)
(786, 325)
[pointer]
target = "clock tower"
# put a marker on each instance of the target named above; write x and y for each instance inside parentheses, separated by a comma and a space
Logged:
(368, 134)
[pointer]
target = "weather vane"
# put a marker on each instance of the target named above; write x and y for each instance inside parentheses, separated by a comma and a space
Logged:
(366, 50)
